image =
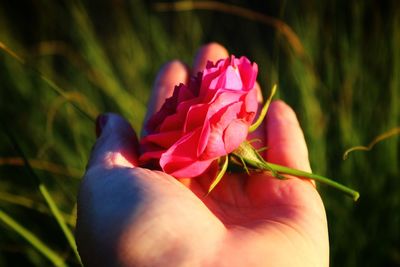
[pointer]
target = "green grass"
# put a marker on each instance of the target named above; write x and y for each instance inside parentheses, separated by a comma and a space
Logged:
(344, 84)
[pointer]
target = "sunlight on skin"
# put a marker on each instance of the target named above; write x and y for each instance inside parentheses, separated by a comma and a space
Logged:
(210, 52)
(113, 159)
(136, 217)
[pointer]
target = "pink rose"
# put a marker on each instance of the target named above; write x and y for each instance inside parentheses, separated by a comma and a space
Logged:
(204, 120)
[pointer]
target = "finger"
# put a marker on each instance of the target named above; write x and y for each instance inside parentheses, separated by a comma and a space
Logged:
(170, 75)
(285, 139)
(209, 52)
(116, 145)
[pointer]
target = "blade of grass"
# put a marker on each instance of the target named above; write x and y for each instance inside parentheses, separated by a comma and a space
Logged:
(46, 195)
(60, 219)
(32, 239)
(379, 138)
(44, 166)
(32, 204)
(102, 68)
(49, 82)
(278, 24)
(69, 97)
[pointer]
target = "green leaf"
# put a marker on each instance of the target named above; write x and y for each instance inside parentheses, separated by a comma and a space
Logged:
(264, 110)
(219, 176)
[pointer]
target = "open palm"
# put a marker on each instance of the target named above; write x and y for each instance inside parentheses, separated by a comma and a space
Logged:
(130, 216)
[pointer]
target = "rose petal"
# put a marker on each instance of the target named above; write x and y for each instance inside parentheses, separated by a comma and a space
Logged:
(196, 116)
(204, 138)
(235, 134)
(248, 73)
(215, 146)
(219, 122)
(164, 139)
(145, 157)
(186, 169)
(181, 160)
(203, 120)
(229, 79)
(250, 104)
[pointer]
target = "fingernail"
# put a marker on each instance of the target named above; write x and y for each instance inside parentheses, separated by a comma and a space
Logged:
(101, 121)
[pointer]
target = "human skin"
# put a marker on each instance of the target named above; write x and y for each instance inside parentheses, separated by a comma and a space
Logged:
(131, 216)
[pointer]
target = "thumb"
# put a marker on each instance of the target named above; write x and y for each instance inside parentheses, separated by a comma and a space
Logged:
(117, 144)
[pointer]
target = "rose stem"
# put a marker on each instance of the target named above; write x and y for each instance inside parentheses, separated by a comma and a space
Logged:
(285, 170)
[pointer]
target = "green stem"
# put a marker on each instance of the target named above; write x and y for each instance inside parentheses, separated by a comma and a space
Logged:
(285, 170)
(248, 154)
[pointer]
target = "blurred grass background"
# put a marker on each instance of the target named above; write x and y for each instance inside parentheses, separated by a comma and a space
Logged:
(337, 64)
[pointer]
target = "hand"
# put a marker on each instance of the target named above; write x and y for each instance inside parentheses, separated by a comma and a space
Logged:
(130, 216)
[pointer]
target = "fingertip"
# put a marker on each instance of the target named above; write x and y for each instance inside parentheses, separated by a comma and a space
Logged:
(174, 70)
(171, 74)
(117, 144)
(101, 121)
(280, 111)
(115, 124)
(208, 52)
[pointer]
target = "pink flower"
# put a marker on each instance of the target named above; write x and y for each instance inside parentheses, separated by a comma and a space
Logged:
(204, 120)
